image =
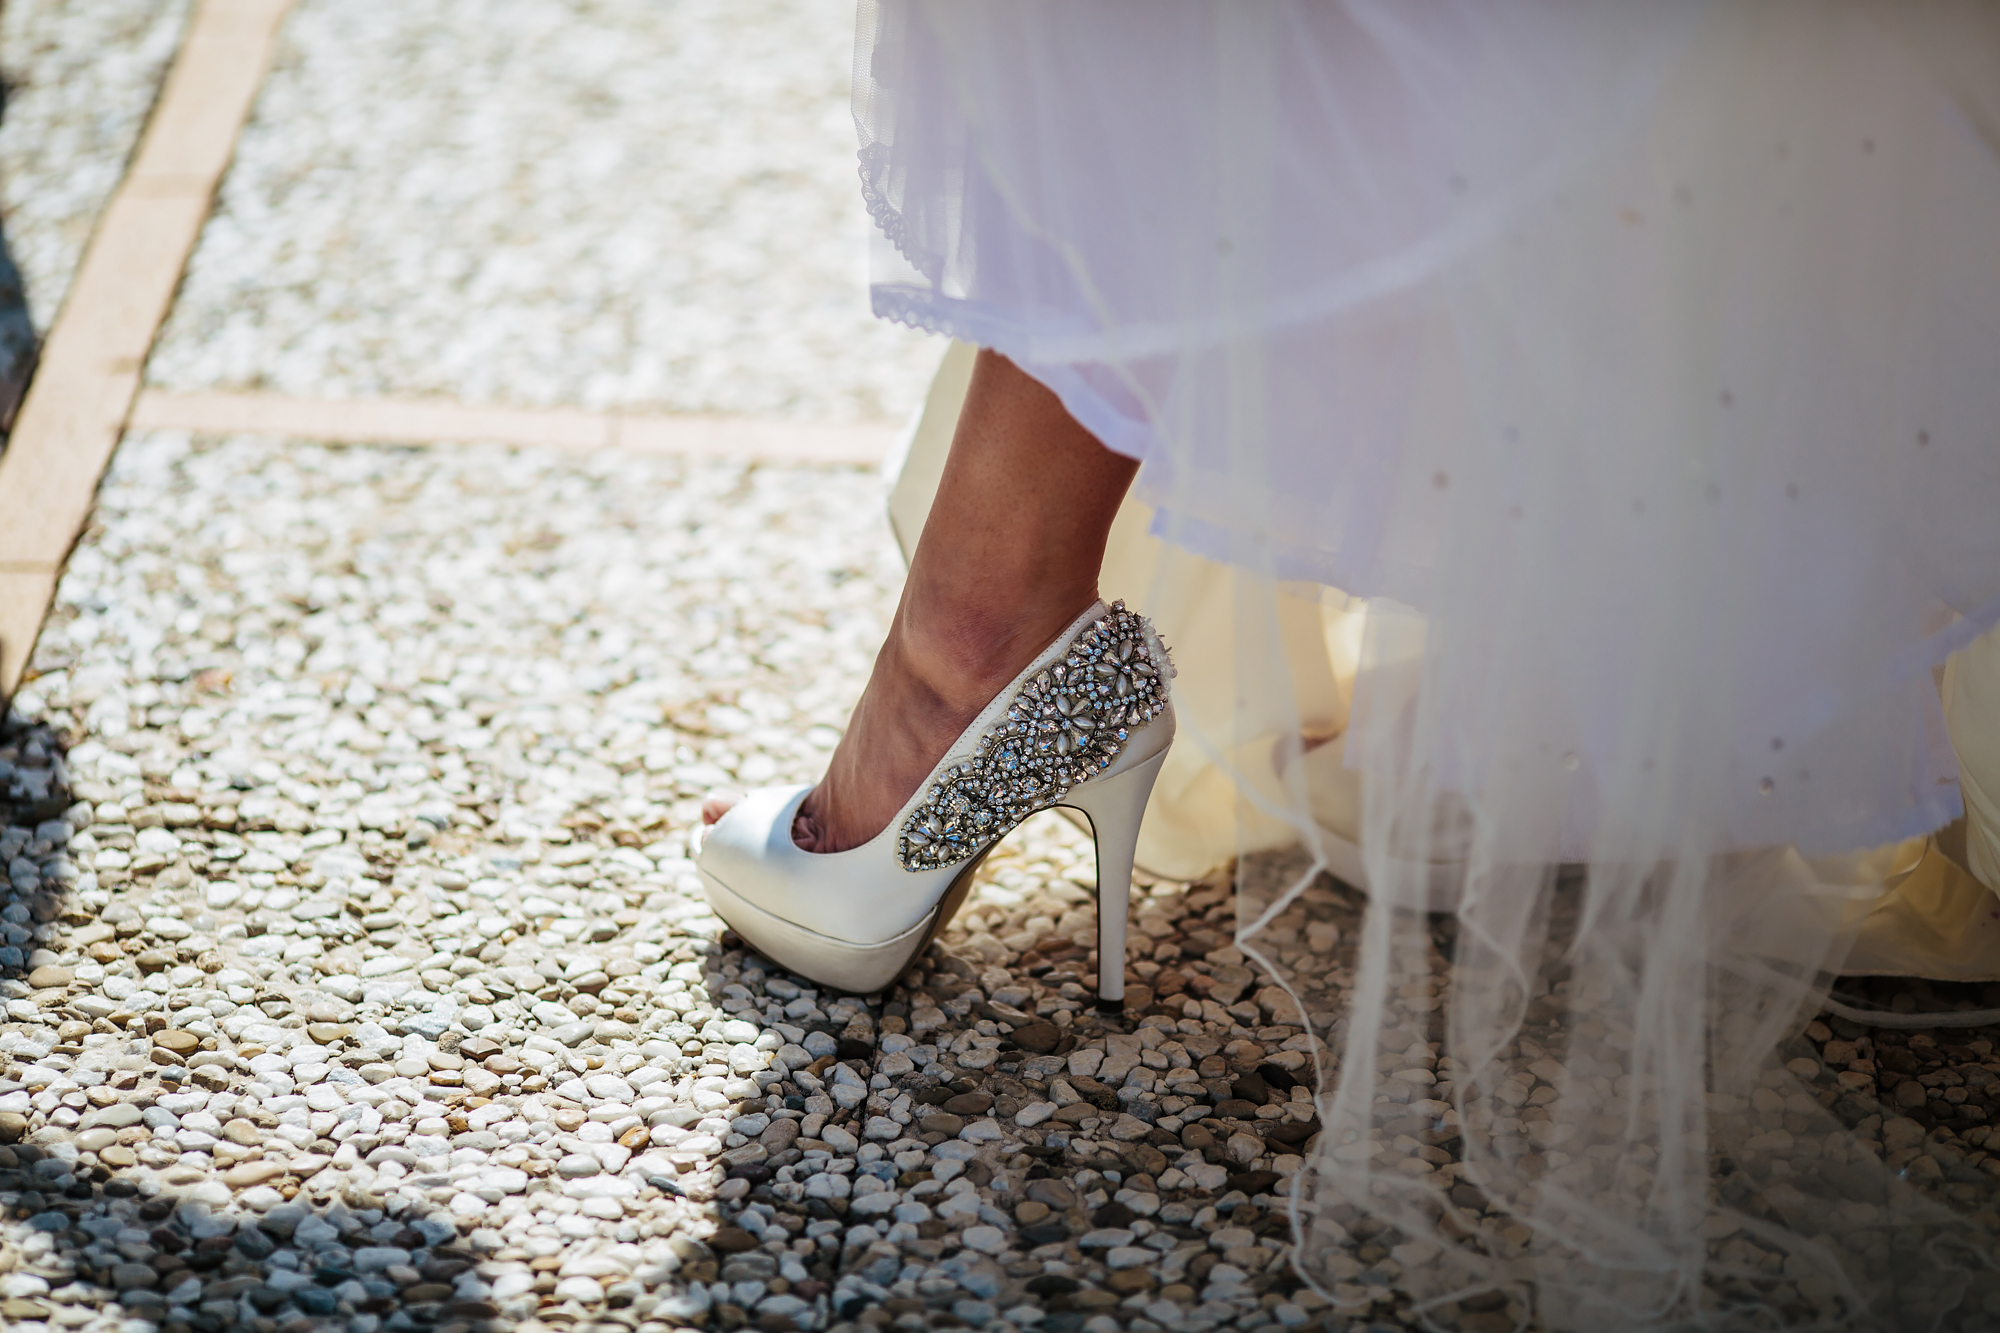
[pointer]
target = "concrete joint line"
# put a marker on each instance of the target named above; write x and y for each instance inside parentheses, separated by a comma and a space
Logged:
(75, 411)
(442, 421)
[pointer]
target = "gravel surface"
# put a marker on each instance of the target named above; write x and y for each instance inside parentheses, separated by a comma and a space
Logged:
(602, 203)
(80, 80)
(355, 923)
(357, 976)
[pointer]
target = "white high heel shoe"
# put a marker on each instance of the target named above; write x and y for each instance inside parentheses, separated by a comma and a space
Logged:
(1085, 725)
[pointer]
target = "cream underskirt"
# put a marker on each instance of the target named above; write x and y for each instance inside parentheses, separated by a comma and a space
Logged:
(1925, 907)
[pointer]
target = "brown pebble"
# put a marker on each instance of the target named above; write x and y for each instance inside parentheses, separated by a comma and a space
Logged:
(1040, 1036)
(732, 1240)
(50, 975)
(780, 1135)
(1253, 1182)
(1057, 1194)
(478, 1048)
(326, 1034)
(1030, 1211)
(245, 1174)
(1291, 1135)
(1243, 1056)
(970, 1103)
(242, 1131)
(1129, 1280)
(176, 1040)
(152, 960)
(12, 1126)
(117, 1155)
(941, 1122)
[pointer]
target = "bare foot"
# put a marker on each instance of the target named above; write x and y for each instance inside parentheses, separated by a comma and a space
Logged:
(718, 803)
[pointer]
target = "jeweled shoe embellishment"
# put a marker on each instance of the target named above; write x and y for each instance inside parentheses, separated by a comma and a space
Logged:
(1064, 727)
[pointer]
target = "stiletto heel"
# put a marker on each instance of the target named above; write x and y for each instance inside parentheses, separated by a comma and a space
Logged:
(1115, 806)
(1086, 724)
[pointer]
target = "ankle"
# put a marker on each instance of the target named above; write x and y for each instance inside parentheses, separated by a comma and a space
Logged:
(964, 652)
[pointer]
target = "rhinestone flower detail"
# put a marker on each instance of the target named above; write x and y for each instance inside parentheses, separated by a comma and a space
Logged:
(1064, 726)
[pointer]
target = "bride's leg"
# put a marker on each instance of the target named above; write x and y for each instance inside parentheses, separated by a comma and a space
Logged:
(1009, 556)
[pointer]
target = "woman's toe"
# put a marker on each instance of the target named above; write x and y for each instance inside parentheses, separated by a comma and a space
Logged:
(717, 804)
(805, 832)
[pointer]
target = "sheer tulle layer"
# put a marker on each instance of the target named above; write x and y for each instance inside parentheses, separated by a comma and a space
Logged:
(1639, 363)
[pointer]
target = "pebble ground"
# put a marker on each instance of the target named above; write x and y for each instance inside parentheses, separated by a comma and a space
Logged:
(650, 205)
(359, 974)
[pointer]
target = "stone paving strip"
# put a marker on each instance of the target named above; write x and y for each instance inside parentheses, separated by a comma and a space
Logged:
(435, 421)
(75, 409)
(604, 204)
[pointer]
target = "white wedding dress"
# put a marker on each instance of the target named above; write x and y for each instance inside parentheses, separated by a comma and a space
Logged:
(1640, 366)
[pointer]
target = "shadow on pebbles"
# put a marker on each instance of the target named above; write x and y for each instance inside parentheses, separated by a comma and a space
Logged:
(357, 976)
